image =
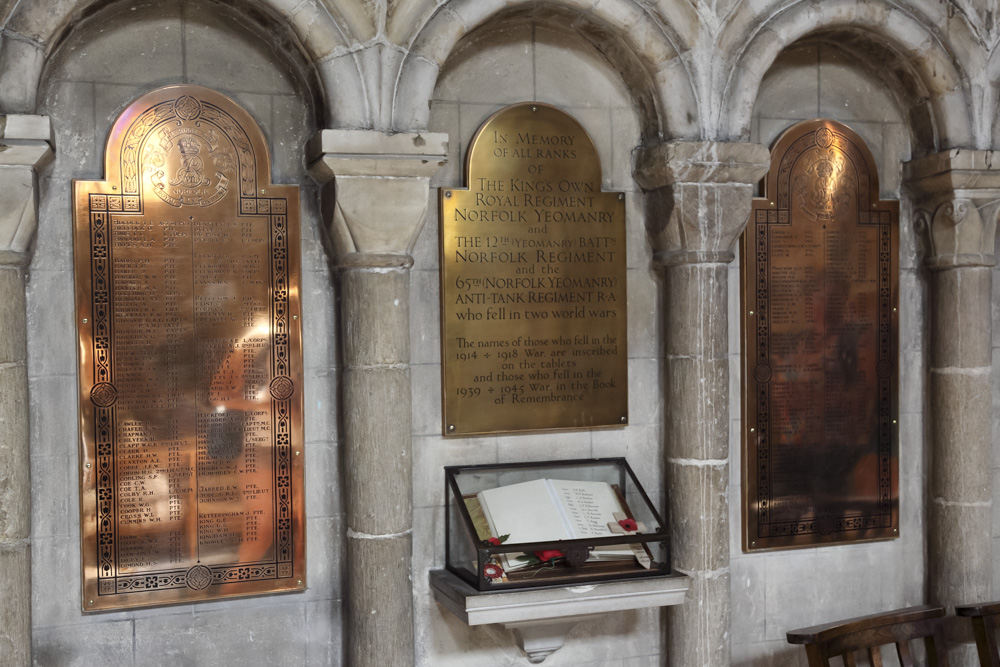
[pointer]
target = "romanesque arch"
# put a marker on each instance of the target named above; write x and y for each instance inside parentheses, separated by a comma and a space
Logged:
(924, 71)
(36, 29)
(647, 54)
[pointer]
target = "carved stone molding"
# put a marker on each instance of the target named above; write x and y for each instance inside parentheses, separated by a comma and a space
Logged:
(378, 201)
(698, 197)
(25, 147)
(956, 204)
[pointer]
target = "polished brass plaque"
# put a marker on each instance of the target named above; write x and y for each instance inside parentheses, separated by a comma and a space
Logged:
(533, 295)
(820, 347)
(187, 300)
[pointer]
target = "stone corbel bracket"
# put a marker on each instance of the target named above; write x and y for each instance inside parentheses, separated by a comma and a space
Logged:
(699, 196)
(25, 147)
(379, 200)
(542, 617)
(956, 203)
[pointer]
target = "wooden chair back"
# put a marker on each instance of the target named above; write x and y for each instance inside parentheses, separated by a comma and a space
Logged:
(854, 638)
(984, 625)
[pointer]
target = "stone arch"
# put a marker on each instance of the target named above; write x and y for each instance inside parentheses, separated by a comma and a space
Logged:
(992, 97)
(923, 73)
(642, 50)
(36, 29)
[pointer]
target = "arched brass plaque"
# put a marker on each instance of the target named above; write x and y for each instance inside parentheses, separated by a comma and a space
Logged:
(533, 273)
(187, 299)
(820, 347)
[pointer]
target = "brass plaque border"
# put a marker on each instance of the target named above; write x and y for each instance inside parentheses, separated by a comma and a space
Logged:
(96, 205)
(879, 518)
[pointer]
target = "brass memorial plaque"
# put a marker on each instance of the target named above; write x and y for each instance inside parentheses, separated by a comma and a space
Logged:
(187, 299)
(820, 338)
(533, 296)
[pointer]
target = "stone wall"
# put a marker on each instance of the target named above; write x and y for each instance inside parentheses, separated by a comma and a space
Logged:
(634, 73)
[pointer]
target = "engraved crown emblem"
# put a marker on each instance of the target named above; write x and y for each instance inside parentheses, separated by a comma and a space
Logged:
(188, 145)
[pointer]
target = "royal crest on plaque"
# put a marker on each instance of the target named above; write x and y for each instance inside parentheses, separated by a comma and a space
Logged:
(187, 272)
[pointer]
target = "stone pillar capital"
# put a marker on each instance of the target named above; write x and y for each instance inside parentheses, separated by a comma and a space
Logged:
(376, 207)
(25, 147)
(956, 203)
(699, 195)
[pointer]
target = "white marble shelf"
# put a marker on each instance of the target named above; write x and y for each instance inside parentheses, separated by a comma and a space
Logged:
(541, 618)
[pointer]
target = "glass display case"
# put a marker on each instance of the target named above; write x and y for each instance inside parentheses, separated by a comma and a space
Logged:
(551, 523)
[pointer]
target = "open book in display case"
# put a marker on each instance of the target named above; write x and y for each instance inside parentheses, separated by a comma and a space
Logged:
(551, 523)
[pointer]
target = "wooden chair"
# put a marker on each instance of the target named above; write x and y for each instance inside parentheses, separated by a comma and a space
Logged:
(854, 637)
(984, 626)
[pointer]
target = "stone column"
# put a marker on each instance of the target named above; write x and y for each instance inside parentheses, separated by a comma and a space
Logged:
(24, 148)
(956, 202)
(698, 201)
(374, 208)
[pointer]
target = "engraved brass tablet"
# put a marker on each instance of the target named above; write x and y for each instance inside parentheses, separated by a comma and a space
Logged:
(533, 293)
(820, 347)
(187, 300)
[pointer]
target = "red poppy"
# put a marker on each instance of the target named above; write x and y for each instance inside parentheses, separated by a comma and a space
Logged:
(495, 541)
(548, 554)
(492, 571)
(628, 524)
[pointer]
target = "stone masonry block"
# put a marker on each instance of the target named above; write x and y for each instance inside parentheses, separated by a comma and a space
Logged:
(699, 517)
(313, 24)
(12, 323)
(377, 455)
(271, 634)
(695, 310)
(95, 643)
(961, 430)
(507, 70)
(341, 70)
(416, 82)
(960, 326)
(15, 483)
(376, 315)
(15, 603)
(645, 387)
(21, 65)
(698, 630)
(959, 554)
(51, 325)
(436, 42)
(18, 207)
(380, 607)
(697, 414)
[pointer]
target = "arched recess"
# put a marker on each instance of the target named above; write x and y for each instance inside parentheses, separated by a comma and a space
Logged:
(36, 29)
(925, 75)
(648, 57)
(107, 59)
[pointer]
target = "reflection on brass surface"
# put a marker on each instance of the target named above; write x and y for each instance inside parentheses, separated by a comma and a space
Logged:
(820, 339)
(533, 300)
(187, 300)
